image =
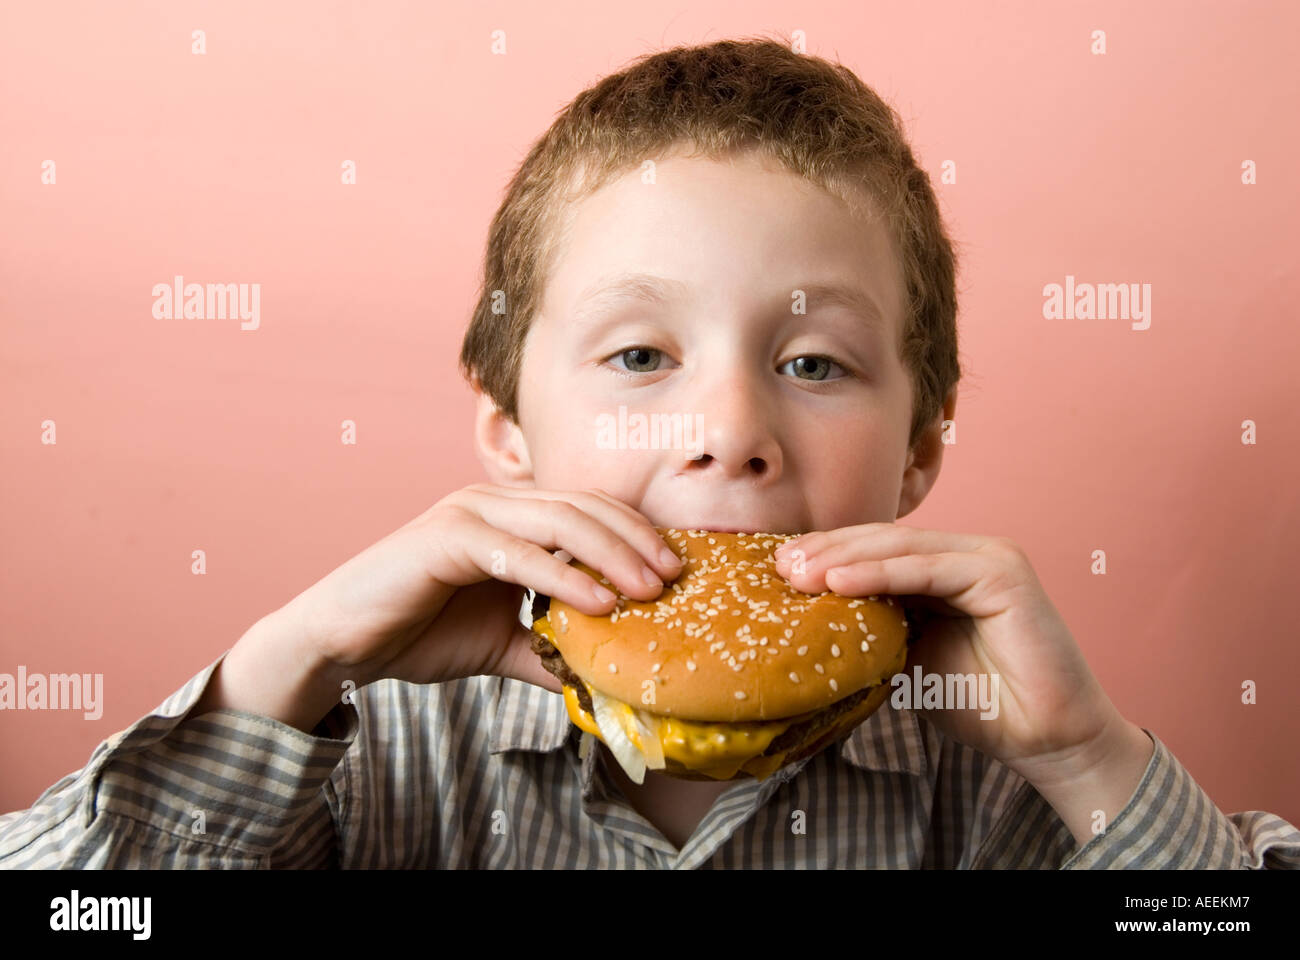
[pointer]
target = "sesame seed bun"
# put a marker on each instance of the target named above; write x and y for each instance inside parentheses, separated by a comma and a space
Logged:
(730, 641)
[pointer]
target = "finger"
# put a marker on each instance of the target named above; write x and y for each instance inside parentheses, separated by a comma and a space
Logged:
(960, 579)
(632, 526)
(889, 541)
(482, 552)
(519, 662)
(873, 541)
(548, 524)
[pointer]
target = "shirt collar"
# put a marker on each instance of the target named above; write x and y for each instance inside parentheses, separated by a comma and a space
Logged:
(529, 717)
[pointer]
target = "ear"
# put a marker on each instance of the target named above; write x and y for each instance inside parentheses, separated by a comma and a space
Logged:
(924, 460)
(499, 444)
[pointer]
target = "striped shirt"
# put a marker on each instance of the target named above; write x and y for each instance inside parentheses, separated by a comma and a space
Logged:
(484, 772)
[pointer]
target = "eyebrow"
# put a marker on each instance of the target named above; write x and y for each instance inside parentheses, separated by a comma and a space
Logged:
(611, 290)
(852, 298)
(618, 288)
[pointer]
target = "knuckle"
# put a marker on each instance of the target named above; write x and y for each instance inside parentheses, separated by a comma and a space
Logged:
(449, 515)
(999, 545)
(567, 512)
(520, 550)
(1011, 548)
(608, 499)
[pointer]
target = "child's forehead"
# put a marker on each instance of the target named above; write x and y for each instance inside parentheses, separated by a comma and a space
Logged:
(604, 256)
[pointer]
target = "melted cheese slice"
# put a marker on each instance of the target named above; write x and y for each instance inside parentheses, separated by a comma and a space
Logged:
(717, 750)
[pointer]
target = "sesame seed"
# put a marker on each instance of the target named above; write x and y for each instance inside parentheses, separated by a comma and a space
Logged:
(859, 616)
(871, 637)
(864, 646)
(818, 668)
(690, 664)
(613, 669)
(784, 642)
(794, 677)
(802, 650)
(655, 668)
(653, 644)
(740, 695)
(834, 685)
(835, 650)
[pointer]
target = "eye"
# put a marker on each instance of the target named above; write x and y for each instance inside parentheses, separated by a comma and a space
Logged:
(638, 359)
(818, 367)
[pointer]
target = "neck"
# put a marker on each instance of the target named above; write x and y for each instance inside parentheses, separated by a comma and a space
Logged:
(675, 806)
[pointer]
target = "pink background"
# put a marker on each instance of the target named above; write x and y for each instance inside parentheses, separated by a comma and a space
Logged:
(1073, 435)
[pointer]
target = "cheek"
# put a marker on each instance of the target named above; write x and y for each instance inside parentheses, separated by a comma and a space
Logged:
(569, 458)
(852, 457)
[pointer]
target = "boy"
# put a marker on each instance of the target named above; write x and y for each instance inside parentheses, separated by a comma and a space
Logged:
(733, 231)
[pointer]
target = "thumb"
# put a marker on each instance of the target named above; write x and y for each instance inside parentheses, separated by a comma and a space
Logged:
(519, 662)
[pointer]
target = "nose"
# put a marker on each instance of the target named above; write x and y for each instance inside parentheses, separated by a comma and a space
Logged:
(736, 437)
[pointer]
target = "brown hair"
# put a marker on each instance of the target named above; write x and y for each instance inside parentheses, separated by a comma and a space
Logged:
(814, 116)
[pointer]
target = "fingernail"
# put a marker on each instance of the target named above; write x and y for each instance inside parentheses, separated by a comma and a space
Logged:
(649, 576)
(669, 559)
(603, 595)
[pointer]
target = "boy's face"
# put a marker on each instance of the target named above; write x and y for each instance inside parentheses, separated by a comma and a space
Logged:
(784, 446)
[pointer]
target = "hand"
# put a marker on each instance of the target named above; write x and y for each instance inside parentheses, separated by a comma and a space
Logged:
(980, 609)
(439, 598)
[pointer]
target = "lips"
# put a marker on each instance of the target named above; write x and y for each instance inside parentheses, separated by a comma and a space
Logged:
(723, 528)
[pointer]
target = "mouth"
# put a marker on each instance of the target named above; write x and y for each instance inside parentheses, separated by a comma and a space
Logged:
(723, 528)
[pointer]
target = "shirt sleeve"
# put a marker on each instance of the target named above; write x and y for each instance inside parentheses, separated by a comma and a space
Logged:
(228, 789)
(1168, 823)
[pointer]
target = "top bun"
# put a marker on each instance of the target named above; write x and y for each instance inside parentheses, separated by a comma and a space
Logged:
(730, 640)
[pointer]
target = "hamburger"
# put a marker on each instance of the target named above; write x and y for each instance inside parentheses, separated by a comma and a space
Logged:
(731, 672)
